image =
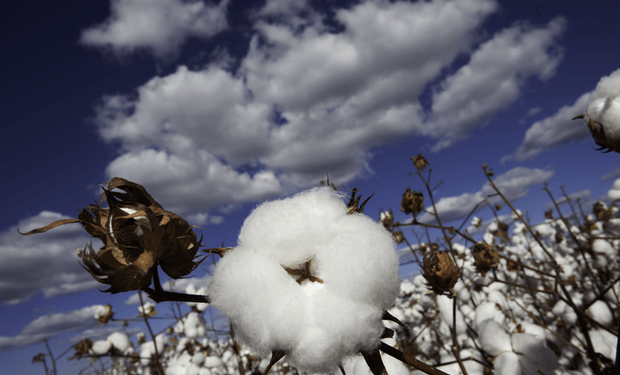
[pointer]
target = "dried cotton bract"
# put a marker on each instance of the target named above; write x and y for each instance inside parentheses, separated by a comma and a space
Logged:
(309, 280)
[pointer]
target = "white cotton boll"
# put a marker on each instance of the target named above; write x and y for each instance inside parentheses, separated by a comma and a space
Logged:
(101, 347)
(534, 330)
(493, 338)
(486, 311)
(195, 326)
(316, 325)
(198, 358)
(120, 341)
(545, 230)
(507, 363)
(535, 356)
(604, 343)
(213, 361)
(600, 312)
(608, 85)
(445, 310)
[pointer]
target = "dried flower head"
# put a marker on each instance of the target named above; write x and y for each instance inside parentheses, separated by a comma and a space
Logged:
(399, 236)
(486, 257)
(419, 162)
(501, 232)
(601, 211)
(81, 349)
(440, 272)
(387, 219)
(412, 202)
(39, 358)
(549, 214)
(138, 234)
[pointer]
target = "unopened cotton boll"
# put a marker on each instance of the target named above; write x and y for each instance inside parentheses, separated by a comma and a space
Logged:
(309, 279)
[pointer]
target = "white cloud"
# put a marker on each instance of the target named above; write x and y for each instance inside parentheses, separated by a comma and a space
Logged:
(303, 104)
(307, 101)
(192, 182)
(51, 325)
(554, 131)
(493, 78)
(44, 262)
(161, 26)
(514, 184)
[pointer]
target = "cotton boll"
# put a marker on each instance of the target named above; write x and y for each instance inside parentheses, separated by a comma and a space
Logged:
(492, 338)
(604, 343)
(350, 258)
(600, 312)
(120, 341)
(445, 310)
(535, 356)
(507, 363)
(101, 347)
(486, 311)
(195, 326)
(213, 361)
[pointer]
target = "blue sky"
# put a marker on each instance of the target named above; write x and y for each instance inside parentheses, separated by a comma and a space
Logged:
(216, 106)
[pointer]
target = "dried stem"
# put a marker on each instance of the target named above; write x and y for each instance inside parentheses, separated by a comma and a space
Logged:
(47, 346)
(409, 360)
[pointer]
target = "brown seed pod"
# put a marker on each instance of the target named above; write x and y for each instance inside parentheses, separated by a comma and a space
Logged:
(412, 202)
(486, 257)
(440, 272)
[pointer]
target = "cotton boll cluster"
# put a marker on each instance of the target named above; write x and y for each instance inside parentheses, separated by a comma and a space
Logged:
(528, 329)
(117, 346)
(308, 279)
(192, 326)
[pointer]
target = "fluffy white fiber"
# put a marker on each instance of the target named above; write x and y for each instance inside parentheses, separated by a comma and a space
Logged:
(318, 325)
(605, 105)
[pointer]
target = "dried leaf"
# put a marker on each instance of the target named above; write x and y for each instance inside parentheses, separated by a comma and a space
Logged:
(49, 226)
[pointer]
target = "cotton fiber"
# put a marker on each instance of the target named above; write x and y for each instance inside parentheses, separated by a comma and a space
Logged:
(308, 279)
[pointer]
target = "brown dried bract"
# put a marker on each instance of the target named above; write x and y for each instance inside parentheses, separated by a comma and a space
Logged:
(486, 257)
(138, 234)
(601, 212)
(601, 139)
(419, 162)
(440, 272)
(81, 349)
(352, 206)
(412, 202)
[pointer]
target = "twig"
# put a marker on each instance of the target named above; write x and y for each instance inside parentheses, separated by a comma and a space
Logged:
(419, 365)
(51, 357)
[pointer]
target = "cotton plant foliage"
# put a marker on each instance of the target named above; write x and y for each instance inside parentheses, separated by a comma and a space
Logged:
(310, 279)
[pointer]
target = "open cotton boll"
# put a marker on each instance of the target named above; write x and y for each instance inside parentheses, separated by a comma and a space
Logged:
(507, 363)
(492, 338)
(194, 326)
(600, 312)
(535, 357)
(101, 347)
(120, 341)
(347, 269)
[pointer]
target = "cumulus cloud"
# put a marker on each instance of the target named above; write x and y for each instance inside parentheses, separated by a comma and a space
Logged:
(309, 100)
(554, 131)
(51, 325)
(160, 26)
(514, 184)
(493, 78)
(45, 262)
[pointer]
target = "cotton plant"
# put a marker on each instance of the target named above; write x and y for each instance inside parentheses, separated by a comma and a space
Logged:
(310, 280)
